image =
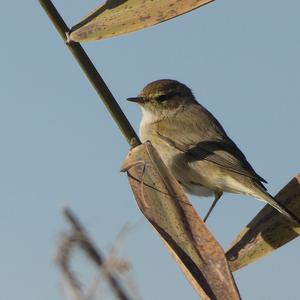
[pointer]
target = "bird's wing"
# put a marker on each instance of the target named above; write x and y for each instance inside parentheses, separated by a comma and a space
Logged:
(223, 153)
(207, 140)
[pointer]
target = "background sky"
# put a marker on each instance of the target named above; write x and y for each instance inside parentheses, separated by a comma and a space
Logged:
(60, 146)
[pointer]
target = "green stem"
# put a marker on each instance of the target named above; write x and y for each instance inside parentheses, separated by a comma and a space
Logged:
(92, 74)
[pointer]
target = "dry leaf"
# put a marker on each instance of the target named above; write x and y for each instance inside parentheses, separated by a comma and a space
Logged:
(163, 202)
(117, 17)
(268, 231)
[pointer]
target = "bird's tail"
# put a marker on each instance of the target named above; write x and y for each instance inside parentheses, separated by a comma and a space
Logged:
(265, 196)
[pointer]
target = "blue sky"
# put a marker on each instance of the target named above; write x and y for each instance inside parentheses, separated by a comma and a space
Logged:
(60, 146)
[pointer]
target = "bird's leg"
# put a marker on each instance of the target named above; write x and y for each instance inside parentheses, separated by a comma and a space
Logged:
(218, 195)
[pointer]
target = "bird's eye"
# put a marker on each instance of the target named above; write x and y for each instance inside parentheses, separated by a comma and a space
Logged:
(161, 98)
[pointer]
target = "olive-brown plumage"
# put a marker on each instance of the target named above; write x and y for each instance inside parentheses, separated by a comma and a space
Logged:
(194, 145)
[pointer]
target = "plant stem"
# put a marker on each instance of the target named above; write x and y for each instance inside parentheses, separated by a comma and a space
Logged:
(92, 74)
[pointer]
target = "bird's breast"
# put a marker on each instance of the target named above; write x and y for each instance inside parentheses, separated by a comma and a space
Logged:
(151, 132)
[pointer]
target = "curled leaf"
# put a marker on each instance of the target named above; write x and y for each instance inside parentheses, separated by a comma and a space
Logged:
(163, 202)
(117, 17)
(268, 231)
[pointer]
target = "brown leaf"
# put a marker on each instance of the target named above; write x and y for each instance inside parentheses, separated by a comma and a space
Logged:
(117, 17)
(163, 202)
(268, 231)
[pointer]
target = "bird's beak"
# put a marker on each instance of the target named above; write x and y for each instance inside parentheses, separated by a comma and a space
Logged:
(136, 99)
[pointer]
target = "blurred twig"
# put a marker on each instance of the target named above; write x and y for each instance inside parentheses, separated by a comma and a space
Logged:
(79, 238)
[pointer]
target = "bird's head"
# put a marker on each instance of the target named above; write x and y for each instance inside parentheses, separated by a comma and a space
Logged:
(163, 97)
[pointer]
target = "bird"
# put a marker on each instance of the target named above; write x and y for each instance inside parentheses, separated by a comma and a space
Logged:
(195, 147)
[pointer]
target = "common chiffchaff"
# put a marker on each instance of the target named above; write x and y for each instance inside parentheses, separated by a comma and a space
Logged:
(195, 147)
